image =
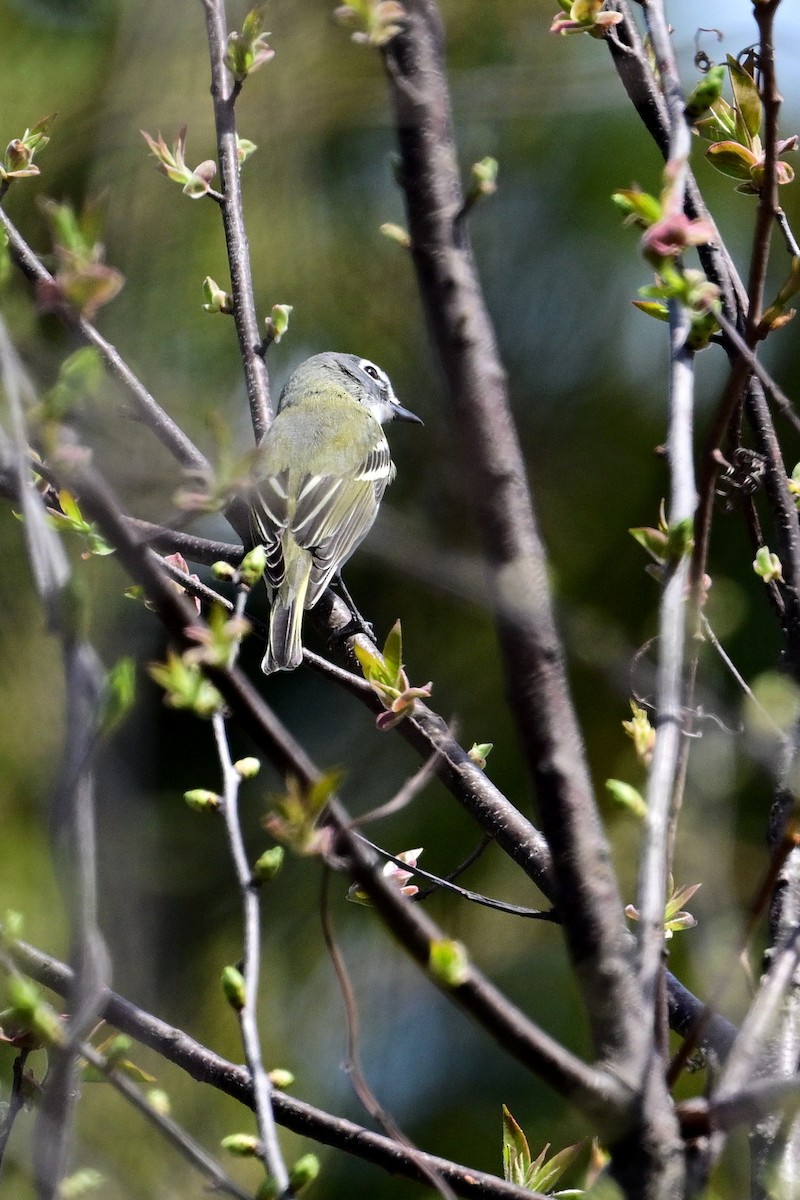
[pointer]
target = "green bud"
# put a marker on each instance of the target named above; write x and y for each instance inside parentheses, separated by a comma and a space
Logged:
(241, 1145)
(767, 565)
(267, 1189)
(279, 1077)
(12, 926)
(479, 752)
(233, 987)
(304, 1171)
(159, 1101)
(277, 323)
(244, 148)
(223, 571)
(396, 233)
(247, 768)
(268, 864)
(30, 1010)
(706, 93)
(627, 797)
(18, 156)
(484, 177)
(202, 800)
(449, 962)
(215, 299)
(24, 996)
(252, 566)
(117, 1048)
(80, 1184)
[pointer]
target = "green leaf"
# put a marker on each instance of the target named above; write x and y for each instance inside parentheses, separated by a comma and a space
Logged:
(516, 1152)
(747, 101)
(118, 695)
(645, 209)
(393, 652)
(653, 540)
(733, 159)
(653, 308)
(551, 1171)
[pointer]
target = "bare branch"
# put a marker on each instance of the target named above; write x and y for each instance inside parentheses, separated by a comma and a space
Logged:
(203, 1065)
(224, 92)
(587, 896)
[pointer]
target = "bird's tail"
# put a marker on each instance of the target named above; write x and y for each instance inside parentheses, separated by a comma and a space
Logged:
(285, 644)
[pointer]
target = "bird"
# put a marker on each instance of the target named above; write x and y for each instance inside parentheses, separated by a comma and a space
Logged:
(322, 468)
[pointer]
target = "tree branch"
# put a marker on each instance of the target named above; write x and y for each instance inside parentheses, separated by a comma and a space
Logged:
(224, 93)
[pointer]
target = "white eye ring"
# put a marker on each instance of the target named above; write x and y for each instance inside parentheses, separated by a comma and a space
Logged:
(370, 369)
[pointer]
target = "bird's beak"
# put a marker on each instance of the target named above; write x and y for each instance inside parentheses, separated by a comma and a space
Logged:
(405, 414)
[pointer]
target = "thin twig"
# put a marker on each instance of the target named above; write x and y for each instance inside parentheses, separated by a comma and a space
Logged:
(146, 406)
(352, 1064)
(444, 884)
(191, 1150)
(269, 1148)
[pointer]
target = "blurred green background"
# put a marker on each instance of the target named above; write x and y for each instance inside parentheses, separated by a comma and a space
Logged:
(587, 375)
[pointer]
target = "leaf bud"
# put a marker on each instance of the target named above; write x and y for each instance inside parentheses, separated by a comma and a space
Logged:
(268, 865)
(233, 987)
(304, 1171)
(202, 800)
(241, 1145)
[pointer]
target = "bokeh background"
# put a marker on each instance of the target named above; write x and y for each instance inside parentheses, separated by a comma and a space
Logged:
(587, 375)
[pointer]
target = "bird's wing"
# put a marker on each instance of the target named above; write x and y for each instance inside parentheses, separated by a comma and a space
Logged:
(333, 514)
(269, 516)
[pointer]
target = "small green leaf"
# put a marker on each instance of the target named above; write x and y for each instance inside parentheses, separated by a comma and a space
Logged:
(393, 652)
(653, 308)
(118, 695)
(644, 209)
(516, 1152)
(548, 1175)
(627, 797)
(746, 100)
(732, 159)
(653, 540)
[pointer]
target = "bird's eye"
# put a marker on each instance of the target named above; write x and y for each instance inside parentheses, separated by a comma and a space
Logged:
(372, 371)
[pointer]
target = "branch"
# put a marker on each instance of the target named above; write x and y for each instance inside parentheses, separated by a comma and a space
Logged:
(224, 93)
(662, 796)
(204, 1066)
(269, 1147)
(147, 408)
(596, 1092)
(587, 896)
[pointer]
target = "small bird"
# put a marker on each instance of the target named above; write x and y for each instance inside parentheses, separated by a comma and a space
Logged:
(323, 467)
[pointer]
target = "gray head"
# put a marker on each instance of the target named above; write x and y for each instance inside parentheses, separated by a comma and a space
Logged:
(362, 379)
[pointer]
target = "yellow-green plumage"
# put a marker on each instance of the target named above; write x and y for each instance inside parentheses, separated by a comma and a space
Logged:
(323, 467)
